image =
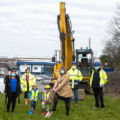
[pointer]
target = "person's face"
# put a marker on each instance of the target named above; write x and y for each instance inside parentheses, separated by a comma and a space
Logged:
(28, 70)
(47, 89)
(62, 71)
(73, 66)
(96, 67)
(13, 73)
(34, 87)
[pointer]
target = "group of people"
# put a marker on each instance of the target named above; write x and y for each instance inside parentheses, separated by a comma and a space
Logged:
(65, 86)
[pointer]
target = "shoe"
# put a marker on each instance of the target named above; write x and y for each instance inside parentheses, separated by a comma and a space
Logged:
(7, 111)
(53, 109)
(102, 108)
(30, 112)
(49, 114)
(76, 104)
(95, 107)
(67, 114)
(43, 113)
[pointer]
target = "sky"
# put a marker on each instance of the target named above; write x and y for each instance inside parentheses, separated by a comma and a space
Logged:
(28, 28)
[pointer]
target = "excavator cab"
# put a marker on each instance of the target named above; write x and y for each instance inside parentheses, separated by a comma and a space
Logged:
(84, 61)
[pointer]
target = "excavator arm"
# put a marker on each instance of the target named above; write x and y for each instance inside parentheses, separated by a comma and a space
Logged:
(66, 41)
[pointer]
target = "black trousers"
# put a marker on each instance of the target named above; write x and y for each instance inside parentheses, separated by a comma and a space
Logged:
(27, 92)
(66, 100)
(98, 94)
(11, 99)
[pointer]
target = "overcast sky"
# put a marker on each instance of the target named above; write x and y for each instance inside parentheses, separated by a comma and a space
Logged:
(28, 28)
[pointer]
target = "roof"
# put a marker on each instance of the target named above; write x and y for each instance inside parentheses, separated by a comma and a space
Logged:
(82, 51)
(36, 63)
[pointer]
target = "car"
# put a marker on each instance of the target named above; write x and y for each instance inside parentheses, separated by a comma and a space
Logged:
(2, 84)
(46, 79)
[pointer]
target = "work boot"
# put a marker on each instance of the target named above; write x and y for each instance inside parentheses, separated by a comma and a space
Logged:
(53, 109)
(67, 114)
(102, 109)
(7, 111)
(95, 107)
(76, 104)
(47, 115)
(43, 112)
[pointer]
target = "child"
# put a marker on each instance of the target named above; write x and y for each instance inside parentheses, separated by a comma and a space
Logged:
(34, 95)
(46, 97)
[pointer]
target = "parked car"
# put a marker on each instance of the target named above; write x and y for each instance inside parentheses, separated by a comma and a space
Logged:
(2, 84)
(46, 79)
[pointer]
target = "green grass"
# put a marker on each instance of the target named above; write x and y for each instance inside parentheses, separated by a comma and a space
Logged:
(83, 111)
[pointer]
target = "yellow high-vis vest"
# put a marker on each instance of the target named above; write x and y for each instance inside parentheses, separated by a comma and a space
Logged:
(46, 96)
(34, 95)
(103, 78)
(32, 80)
(75, 75)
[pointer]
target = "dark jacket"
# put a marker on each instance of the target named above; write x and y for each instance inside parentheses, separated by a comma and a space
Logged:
(96, 78)
(8, 85)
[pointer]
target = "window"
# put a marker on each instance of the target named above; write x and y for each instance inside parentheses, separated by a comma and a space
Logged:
(35, 68)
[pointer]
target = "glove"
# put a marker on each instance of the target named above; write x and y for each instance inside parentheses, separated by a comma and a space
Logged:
(102, 85)
(79, 81)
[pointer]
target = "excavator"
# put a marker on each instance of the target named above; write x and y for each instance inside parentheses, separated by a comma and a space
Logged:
(66, 42)
(67, 52)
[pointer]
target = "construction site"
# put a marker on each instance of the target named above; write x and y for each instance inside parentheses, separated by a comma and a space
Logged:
(68, 60)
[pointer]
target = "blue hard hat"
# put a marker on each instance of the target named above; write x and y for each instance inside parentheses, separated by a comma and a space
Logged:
(96, 64)
(73, 62)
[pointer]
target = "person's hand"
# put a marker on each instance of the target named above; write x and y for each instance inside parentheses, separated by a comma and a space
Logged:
(55, 90)
(79, 81)
(102, 85)
(45, 101)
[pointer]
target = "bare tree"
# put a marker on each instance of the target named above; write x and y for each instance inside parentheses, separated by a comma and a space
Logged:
(112, 47)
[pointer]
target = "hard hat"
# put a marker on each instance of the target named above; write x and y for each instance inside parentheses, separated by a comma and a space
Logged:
(73, 62)
(34, 85)
(47, 86)
(96, 64)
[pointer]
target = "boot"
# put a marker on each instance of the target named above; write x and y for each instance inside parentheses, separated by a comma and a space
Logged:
(43, 112)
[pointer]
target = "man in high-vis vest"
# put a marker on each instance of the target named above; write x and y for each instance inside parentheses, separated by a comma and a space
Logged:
(75, 78)
(34, 96)
(27, 80)
(97, 81)
(46, 97)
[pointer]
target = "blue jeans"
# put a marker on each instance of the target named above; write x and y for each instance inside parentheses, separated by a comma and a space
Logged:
(33, 104)
(76, 96)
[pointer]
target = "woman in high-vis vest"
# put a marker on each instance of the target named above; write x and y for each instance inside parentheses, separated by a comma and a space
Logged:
(97, 81)
(62, 90)
(34, 96)
(47, 99)
(27, 80)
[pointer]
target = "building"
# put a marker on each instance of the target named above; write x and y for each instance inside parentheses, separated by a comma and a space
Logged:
(36, 67)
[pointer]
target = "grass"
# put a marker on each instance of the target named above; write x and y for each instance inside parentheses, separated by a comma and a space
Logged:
(83, 111)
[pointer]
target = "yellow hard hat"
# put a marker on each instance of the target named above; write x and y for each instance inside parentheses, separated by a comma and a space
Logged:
(47, 86)
(34, 85)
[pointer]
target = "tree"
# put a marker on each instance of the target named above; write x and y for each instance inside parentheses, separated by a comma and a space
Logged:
(112, 46)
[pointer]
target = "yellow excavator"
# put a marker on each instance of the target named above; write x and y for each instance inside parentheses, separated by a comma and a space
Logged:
(66, 42)
(67, 53)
